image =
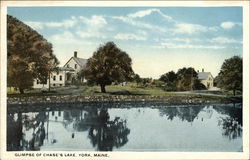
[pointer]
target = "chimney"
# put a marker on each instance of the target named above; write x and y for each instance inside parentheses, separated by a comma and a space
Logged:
(202, 69)
(75, 54)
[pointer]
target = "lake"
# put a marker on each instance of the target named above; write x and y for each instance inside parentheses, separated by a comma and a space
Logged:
(127, 127)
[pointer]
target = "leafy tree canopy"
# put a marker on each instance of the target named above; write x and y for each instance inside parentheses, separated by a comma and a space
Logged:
(169, 77)
(108, 64)
(185, 79)
(30, 56)
(230, 76)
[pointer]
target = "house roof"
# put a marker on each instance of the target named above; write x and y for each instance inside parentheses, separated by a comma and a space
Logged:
(203, 75)
(66, 69)
(82, 62)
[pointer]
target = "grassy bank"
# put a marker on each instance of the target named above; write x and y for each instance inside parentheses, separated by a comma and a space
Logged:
(130, 89)
(130, 92)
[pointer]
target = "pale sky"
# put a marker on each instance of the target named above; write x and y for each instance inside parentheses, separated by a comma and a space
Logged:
(158, 39)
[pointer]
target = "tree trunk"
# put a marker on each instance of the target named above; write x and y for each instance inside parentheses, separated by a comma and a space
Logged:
(49, 81)
(103, 90)
(234, 92)
(21, 90)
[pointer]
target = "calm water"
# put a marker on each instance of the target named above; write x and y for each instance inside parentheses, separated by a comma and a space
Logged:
(127, 128)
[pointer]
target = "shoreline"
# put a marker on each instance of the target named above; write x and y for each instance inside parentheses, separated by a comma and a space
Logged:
(58, 100)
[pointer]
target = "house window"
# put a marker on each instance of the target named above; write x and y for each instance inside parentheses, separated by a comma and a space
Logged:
(60, 78)
(37, 82)
(54, 78)
(75, 66)
(59, 113)
(60, 84)
(54, 85)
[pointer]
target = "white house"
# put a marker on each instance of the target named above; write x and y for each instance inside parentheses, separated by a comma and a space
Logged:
(206, 78)
(75, 63)
(63, 75)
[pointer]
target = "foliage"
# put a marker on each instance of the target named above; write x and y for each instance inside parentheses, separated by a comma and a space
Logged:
(169, 77)
(136, 78)
(30, 56)
(108, 64)
(197, 85)
(170, 86)
(185, 79)
(216, 81)
(157, 83)
(230, 76)
(146, 81)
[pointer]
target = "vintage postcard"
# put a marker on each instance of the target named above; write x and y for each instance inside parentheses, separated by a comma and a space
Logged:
(124, 80)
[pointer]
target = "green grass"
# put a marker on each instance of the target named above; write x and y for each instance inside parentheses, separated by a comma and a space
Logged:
(221, 92)
(129, 89)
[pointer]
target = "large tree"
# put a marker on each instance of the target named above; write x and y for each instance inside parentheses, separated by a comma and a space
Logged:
(170, 79)
(186, 77)
(108, 64)
(188, 80)
(230, 76)
(30, 56)
(184, 80)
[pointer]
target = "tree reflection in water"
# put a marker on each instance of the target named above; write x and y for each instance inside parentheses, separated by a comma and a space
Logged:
(14, 132)
(231, 125)
(231, 128)
(25, 133)
(104, 133)
(184, 113)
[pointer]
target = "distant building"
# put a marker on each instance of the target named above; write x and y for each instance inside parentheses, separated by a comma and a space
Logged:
(206, 78)
(63, 75)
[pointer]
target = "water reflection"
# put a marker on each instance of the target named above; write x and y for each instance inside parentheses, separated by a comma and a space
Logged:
(231, 128)
(230, 122)
(106, 129)
(231, 125)
(106, 134)
(184, 113)
(27, 132)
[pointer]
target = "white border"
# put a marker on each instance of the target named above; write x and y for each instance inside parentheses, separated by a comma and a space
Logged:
(133, 155)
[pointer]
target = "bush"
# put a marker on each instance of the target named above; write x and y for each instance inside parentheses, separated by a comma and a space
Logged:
(170, 87)
(157, 83)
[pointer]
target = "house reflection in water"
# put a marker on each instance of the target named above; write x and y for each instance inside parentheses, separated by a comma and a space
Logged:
(60, 130)
(205, 113)
(93, 127)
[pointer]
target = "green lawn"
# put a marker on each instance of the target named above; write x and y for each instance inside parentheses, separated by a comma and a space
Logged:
(130, 89)
(125, 90)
